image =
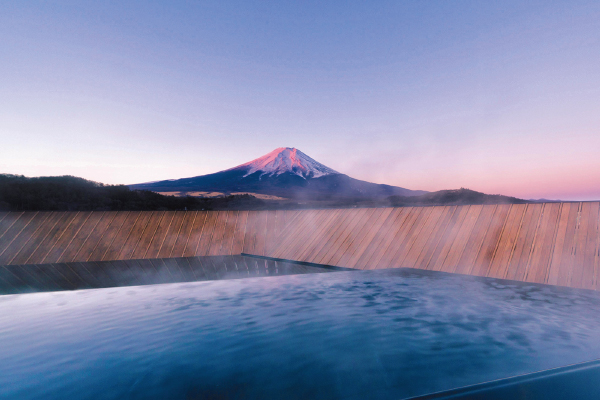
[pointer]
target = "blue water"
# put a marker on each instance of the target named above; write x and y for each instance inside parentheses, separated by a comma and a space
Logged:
(385, 334)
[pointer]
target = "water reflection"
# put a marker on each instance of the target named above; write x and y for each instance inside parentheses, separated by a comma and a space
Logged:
(367, 334)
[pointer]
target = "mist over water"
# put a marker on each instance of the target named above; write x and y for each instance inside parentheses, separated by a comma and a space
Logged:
(367, 334)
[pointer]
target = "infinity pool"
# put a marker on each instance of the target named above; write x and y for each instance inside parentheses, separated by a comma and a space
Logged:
(386, 334)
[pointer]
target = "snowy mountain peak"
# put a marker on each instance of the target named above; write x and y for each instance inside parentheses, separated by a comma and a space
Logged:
(286, 159)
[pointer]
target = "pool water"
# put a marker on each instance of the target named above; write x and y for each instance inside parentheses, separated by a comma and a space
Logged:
(387, 334)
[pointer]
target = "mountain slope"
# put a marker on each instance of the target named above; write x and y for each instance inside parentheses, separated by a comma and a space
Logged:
(284, 172)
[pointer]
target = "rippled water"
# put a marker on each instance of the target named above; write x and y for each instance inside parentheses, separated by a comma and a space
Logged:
(368, 334)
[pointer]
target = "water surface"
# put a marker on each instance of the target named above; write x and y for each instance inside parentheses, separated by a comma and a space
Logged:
(386, 334)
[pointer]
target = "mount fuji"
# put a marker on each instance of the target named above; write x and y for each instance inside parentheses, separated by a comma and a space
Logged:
(284, 172)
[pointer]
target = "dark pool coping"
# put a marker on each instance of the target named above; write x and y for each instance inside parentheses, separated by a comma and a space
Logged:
(308, 264)
(577, 381)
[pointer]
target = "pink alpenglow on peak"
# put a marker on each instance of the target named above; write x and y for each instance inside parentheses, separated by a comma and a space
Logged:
(286, 159)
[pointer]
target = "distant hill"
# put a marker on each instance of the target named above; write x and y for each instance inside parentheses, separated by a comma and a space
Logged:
(284, 172)
(69, 193)
(454, 197)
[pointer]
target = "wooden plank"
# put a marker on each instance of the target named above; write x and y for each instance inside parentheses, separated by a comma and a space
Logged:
(230, 229)
(557, 251)
(435, 236)
(381, 222)
(365, 236)
(239, 233)
(387, 256)
(261, 232)
(413, 235)
(475, 240)
(7, 222)
(110, 233)
(216, 240)
(318, 238)
(507, 241)
(490, 241)
(272, 230)
(15, 229)
(422, 236)
(565, 271)
(452, 260)
(379, 240)
(354, 229)
(22, 238)
(95, 237)
(81, 236)
(355, 236)
(296, 235)
(292, 238)
(589, 273)
(120, 238)
(61, 222)
(65, 237)
(580, 244)
(132, 238)
(195, 234)
(160, 233)
(69, 236)
(520, 258)
(538, 267)
(146, 238)
(597, 255)
(36, 239)
(590, 249)
(250, 237)
(168, 243)
(343, 221)
(447, 239)
(207, 232)
(183, 236)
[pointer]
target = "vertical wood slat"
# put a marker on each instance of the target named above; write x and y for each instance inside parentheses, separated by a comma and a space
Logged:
(193, 241)
(545, 243)
(382, 239)
(315, 239)
(120, 236)
(147, 235)
(456, 251)
(370, 233)
(10, 248)
(36, 239)
(64, 237)
(447, 239)
(506, 242)
(565, 268)
(520, 256)
(107, 239)
(431, 244)
(185, 231)
(492, 235)
(81, 237)
(385, 257)
(167, 244)
(307, 230)
(15, 229)
(542, 251)
(155, 241)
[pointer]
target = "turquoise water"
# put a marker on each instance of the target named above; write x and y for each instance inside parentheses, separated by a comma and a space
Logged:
(385, 334)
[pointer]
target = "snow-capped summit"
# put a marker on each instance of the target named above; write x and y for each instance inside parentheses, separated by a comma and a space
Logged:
(285, 172)
(285, 159)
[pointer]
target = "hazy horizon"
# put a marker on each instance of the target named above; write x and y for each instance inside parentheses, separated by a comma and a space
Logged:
(498, 98)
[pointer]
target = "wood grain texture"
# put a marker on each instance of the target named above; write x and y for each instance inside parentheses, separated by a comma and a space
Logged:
(553, 243)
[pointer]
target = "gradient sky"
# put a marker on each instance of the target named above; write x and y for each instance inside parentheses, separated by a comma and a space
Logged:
(500, 97)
